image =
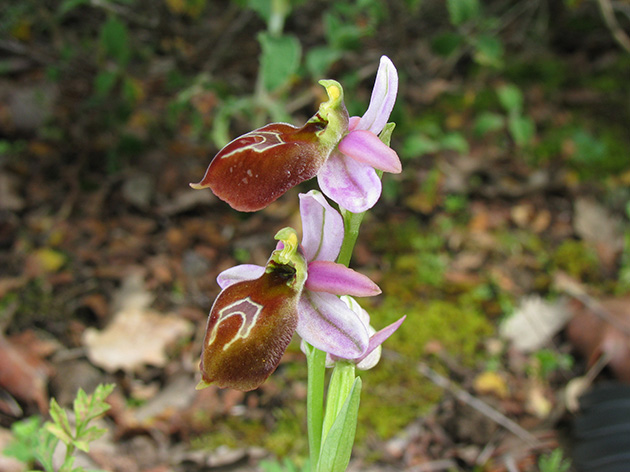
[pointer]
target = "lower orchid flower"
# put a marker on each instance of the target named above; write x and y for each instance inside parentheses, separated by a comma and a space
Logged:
(255, 169)
(259, 308)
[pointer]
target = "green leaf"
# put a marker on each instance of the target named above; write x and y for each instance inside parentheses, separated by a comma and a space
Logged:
(522, 129)
(488, 51)
(262, 7)
(89, 407)
(417, 145)
(43, 452)
(461, 11)
(279, 60)
(25, 439)
(115, 41)
(341, 34)
(69, 5)
(446, 43)
(59, 433)
(93, 433)
(337, 447)
(511, 98)
(487, 122)
(60, 419)
(455, 141)
(81, 406)
(319, 59)
(104, 82)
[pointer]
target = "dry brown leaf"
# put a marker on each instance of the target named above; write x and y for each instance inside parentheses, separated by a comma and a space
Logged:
(603, 329)
(535, 322)
(136, 336)
(24, 374)
(598, 226)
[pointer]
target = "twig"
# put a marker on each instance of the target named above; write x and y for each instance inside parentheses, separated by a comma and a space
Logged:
(611, 21)
(479, 405)
(435, 466)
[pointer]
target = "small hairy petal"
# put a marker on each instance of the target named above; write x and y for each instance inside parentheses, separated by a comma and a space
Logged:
(239, 273)
(354, 185)
(326, 322)
(327, 276)
(383, 97)
(365, 146)
(322, 227)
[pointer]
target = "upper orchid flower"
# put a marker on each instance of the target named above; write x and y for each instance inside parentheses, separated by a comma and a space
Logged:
(348, 176)
(245, 339)
(255, 169)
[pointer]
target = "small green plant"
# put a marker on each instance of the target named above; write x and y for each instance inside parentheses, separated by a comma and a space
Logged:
(554, 462)
(475, 33)
(547, 361)
(34, 444)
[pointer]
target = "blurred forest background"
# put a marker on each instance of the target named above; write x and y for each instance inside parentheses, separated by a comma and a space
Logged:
(505, 241)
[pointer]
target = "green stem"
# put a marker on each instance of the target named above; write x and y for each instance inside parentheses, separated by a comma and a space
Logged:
(340, 385)
(316, 361)
(351, 225)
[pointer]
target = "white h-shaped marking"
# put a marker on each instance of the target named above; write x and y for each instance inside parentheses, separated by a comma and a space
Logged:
(247, 309)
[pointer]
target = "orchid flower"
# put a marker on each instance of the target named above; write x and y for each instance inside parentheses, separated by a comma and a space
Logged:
(348, 176)
(245, 340)
(256, 168)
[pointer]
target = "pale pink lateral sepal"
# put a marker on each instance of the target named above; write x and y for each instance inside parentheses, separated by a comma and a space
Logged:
(373, 353)
(326, 322)
(354, 185)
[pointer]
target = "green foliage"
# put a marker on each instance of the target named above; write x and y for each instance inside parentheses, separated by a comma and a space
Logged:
(33, 443)
(429, 137)
(287, 465)
(279, 60)
(577, 259)
(338, 442)
(25, 439)
(475, 33)
(114, 41)
(461, 11)
(624, 270)
(548, 361)
(554, 462)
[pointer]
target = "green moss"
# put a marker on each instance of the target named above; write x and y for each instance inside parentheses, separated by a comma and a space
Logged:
(578, 260)
(394, 392)
(286, 438)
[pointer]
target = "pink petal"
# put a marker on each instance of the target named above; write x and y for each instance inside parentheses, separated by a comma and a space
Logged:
(354, 185)
(238, 274)
(372, 355)
(383, 98)
(326, 322)
(322, 227)
(365, 146)
(326, 276)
